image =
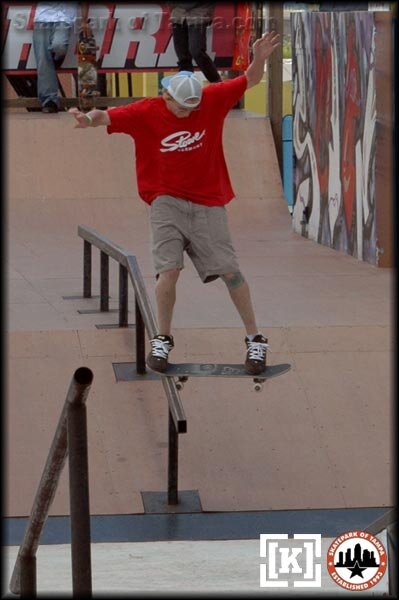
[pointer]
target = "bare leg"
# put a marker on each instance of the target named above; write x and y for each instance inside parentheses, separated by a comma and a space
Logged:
(240, 294)
(165, 292)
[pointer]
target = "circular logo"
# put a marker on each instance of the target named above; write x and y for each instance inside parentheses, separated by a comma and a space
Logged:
(356, 560)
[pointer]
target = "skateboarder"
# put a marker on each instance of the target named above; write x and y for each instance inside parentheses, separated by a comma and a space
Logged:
(181, 172)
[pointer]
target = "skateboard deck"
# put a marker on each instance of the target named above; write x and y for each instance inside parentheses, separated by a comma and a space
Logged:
(87, 70)
(183, 371)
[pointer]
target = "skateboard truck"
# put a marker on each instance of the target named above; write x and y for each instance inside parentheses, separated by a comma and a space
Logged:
(180, 382)
(257, 386)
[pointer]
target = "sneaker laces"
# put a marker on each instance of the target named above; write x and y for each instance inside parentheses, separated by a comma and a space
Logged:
(257, 350)
(160, 348)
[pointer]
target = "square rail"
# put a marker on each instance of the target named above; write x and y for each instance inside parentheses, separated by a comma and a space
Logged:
(145, 321)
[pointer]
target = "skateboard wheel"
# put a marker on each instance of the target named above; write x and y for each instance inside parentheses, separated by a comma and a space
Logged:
(179, 385)
(258, 387)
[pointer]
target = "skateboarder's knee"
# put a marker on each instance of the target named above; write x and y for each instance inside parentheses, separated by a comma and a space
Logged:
(233, 280)
(170, 276)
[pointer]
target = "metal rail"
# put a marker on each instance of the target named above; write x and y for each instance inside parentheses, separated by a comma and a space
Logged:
(70, 436)
(145, 320)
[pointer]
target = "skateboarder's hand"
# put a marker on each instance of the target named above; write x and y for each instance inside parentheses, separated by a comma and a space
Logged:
(264, 46)
(82, 122)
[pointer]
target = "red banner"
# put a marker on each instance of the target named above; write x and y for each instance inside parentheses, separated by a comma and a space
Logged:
(242, 36)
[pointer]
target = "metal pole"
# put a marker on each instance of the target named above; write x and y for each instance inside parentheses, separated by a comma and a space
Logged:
(173, 451)
(275, 72)
(28, 577)
(79, 498)
(140, 341)
(104, 276)
(123, 296)
(86, 269)
(79, 388)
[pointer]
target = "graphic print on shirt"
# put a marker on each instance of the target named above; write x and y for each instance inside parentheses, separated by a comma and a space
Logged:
(182, 141)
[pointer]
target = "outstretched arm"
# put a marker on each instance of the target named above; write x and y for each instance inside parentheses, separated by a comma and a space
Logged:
(93, 118)
(262, 49)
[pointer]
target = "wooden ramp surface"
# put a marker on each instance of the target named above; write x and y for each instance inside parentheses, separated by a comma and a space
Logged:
(317, 437)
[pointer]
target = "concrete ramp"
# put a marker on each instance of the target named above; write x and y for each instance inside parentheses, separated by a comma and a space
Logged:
(317, 437)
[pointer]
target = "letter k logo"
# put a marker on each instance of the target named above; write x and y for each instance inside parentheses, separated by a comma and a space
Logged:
(289, 558)
(290, 561)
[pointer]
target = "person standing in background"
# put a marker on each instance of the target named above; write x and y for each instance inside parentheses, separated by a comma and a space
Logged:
(52, 31)
(190, 21)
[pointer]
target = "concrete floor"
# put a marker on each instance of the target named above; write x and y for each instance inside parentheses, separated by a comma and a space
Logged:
(328, 420)
(318, 437)
(219, 567)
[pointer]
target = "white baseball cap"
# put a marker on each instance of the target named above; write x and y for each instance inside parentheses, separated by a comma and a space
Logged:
(184, 87)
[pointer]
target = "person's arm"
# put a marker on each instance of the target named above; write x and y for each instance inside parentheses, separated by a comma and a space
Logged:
(262, 49)
(93, 118)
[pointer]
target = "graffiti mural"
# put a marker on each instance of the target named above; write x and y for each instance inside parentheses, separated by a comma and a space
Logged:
(334, 119)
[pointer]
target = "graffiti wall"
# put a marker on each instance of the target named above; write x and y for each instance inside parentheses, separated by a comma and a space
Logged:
(334, 123)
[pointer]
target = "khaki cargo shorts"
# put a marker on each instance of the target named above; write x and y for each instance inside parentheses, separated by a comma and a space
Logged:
(202, 231)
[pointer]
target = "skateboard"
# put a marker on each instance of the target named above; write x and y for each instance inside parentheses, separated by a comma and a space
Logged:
(87, 70)
(182, 371)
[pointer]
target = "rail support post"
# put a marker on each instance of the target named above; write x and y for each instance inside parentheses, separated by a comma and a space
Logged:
(140, 341)
(79, 498)
(86, 269)
(104, 276)
(123, 296)
(173, 452)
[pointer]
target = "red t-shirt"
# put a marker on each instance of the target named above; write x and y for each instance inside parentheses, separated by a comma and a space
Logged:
(181, 157)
